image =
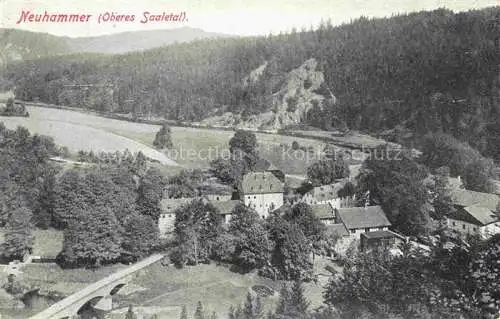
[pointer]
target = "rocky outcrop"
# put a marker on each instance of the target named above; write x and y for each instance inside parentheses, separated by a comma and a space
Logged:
(289, 105)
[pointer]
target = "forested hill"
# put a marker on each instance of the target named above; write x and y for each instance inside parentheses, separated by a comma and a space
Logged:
(415, 73)
(16, 45)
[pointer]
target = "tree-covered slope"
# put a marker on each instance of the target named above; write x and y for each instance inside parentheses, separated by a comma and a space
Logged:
(421, 72)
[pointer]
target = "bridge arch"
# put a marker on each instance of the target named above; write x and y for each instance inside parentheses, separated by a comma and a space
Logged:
(116, 289)
(89, 304)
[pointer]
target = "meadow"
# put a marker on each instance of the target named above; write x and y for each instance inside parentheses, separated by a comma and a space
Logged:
(193, 147)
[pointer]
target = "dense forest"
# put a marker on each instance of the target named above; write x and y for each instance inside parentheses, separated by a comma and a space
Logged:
(409, 74)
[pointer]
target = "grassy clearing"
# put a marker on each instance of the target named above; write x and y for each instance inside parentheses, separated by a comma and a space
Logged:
(215, 286)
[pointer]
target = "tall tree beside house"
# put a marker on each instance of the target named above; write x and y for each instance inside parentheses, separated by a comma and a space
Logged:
(440, 150)
(326, 171)
(291, 255)
(93, 237)
(243, 141)
(43, 211)
(197, 228)
(18, 236)
(397, 185)
(443, 205)
(163, 138)
(252, 243)
(150, 193)
(478, 174)
(302, 215)
(140, 236)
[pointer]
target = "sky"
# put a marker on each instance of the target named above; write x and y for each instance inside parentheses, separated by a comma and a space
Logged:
(240, 17)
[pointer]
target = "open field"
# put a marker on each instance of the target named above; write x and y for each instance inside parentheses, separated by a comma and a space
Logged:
(77, 132)
(162, 287)
(215, 286)
(193, 147)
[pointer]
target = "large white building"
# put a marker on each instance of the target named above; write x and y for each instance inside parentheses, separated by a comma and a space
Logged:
(475, 213)
(261, 191)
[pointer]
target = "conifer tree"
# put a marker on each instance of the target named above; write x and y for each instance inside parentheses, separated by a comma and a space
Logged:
(18, 237)
(184, 312)
(199, 312)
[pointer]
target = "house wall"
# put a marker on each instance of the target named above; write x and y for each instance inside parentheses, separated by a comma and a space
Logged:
(358, 231)
(489, 230)
(328, 221)
(166, 224)
(462, 227)
(218, 198)
(334, 202)
(262, 203)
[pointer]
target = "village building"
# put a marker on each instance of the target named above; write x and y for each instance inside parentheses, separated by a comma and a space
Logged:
(225, 209)
(328, 194)
(166, 221)
(261, 191)
(324, 212)
(380, 239)
(475, 213)
(214, 191)
(359, 220)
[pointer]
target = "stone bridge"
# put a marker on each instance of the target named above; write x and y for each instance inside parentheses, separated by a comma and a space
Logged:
(98, 295)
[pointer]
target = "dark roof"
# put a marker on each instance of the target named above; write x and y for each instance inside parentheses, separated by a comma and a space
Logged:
(337, 229)
(168, 205)
(475, 215)
(224, 208)
(465, 198)
(260, 183)
(363, 217)
(327, 192)
(323, 211)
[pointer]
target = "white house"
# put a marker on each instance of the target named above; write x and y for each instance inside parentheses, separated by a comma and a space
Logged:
(359, 220)
(324, 212)
(166, 220)
(225, 209)
(328, 194)
(474, 213)
(261, 191)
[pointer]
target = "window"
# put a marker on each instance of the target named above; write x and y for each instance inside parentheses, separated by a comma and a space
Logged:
(367, 230)
(217, 198)
(381, 228)
(463, 226)
(263, 217)
(454, 224)
(353, 231)
(475, 229)
(255, 197)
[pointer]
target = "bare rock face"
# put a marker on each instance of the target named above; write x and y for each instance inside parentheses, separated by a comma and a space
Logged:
(297, 96)
(288, 106)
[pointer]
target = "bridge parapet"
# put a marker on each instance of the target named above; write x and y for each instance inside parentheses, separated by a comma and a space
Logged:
(104, 288)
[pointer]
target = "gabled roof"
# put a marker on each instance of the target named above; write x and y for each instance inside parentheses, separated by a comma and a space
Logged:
(323, 211)
(475, 215)
(226, 207)
(326, 192)
(260, 183)
(168, 205)
(363, 217)
(465, 198)
(337, 230)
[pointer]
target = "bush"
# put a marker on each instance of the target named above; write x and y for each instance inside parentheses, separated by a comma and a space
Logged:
(263, 290)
